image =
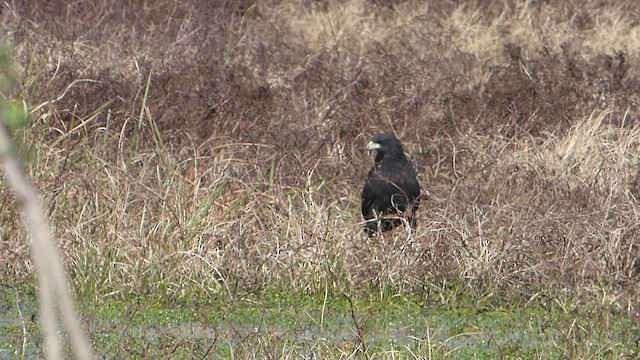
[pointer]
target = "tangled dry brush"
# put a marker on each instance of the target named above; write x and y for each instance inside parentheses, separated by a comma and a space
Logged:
(221, 144)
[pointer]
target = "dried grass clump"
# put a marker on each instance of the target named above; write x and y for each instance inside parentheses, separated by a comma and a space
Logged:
(219, 147)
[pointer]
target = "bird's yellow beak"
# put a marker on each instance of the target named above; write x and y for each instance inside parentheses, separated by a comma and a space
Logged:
(372, 146)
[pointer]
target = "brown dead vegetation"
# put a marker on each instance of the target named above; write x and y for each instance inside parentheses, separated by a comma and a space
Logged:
(223, 142)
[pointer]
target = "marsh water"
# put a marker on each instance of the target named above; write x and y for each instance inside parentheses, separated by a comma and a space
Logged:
(126, 330)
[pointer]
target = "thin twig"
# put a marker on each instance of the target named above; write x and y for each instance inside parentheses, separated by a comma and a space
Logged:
(54, 284)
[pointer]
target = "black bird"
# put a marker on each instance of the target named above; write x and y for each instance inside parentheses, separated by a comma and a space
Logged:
(391, 191)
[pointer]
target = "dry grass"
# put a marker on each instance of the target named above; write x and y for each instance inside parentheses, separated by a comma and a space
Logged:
(190, 148)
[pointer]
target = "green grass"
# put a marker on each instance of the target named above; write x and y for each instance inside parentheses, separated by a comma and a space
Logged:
(285, 326)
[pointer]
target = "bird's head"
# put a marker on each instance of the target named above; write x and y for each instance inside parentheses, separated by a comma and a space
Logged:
(385, 145)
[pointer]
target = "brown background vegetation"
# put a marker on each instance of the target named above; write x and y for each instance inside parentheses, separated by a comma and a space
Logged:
(221, 143)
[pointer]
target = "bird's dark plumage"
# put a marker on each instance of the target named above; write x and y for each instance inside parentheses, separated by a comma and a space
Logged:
(392, 189)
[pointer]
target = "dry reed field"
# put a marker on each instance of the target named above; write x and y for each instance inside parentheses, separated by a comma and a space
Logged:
(202, 149)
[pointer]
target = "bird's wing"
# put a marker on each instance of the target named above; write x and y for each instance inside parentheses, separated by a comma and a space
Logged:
(369, 194)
